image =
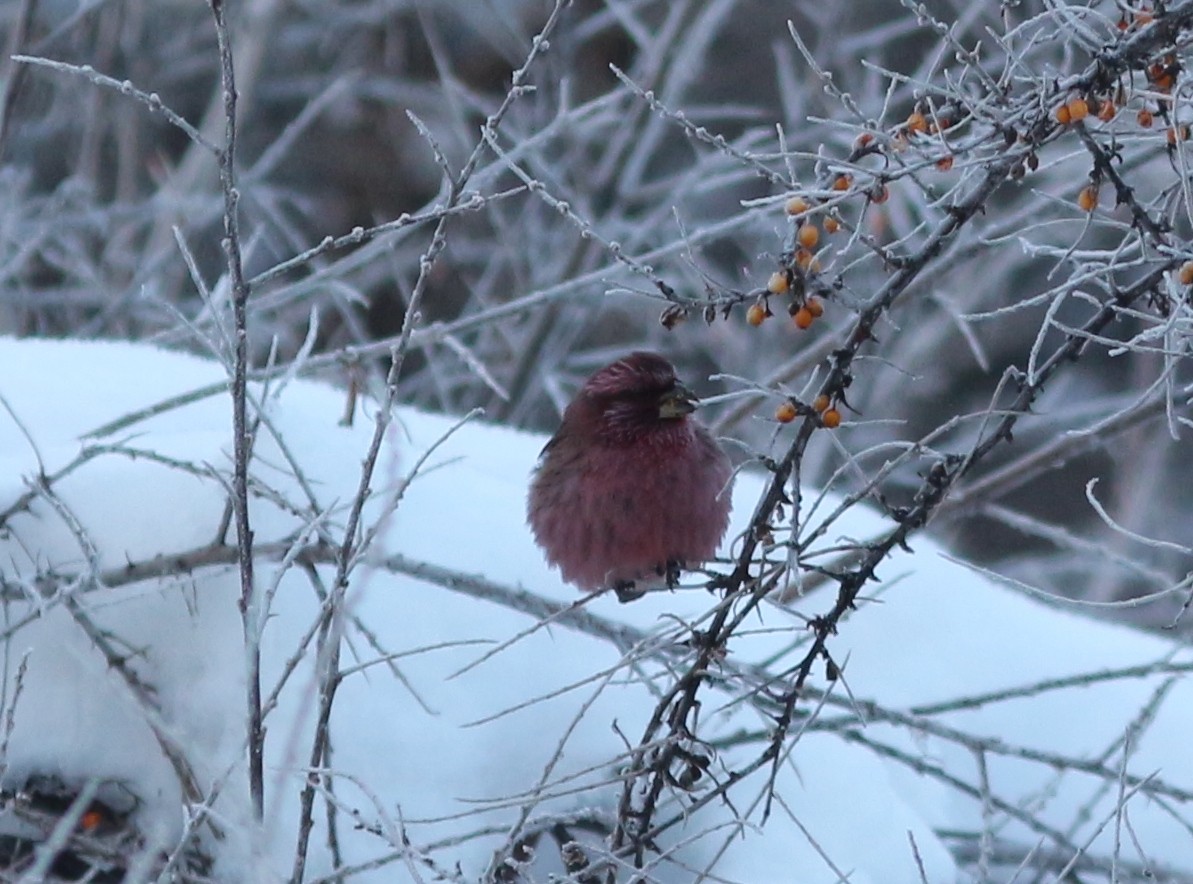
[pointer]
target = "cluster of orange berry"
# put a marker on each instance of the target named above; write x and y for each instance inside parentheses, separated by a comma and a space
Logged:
(1162, 76)
(1077, 109)
(830, 417)
(1106, 108)
(804, 309)
(917, 124)
(803, 313)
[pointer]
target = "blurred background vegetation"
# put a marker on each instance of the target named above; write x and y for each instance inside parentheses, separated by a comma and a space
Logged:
(658, 190)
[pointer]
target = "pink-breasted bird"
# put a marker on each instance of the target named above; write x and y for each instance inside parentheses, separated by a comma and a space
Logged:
(630, 488)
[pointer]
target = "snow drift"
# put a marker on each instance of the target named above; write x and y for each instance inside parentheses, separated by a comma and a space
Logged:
(468, 739)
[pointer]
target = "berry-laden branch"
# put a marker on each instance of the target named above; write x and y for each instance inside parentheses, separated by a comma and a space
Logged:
(1008, 147)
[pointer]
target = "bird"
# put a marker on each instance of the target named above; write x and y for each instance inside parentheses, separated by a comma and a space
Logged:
(631, 488)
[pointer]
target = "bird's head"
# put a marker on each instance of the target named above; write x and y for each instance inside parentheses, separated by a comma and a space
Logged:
(638, 396)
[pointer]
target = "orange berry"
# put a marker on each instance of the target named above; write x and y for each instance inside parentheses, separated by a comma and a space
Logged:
(803, 317)
(1088, 198)
(807, 261)
(842, 181)
(756, 315)
(797, 205)
(1062, 115)
(777, 284)
(1161, 78)
(1178, 133)
(864, 140)
(1107, 110)
(815, 307)
(880, 194)
(917, 122)
(808, 235)
(1078, 109)
(1144, 118)
(945, 162)
(1186, 273)
(785, 413)
(831, 418)
(820, 404)
(91, 820)
(831, 225)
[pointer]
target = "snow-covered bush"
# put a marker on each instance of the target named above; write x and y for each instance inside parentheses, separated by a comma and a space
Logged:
(458, 710)
(933, 258)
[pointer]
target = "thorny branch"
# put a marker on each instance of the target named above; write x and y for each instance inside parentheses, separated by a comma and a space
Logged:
(354, 543)
(651, 770)
(241, 434)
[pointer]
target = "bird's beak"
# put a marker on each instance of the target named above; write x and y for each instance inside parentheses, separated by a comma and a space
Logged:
(677, 402)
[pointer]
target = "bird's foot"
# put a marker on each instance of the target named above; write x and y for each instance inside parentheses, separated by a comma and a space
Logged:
(671, 572)
(627, 591)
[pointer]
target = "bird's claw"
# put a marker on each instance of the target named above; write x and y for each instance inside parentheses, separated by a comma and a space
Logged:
(671, 573)
(627, 591)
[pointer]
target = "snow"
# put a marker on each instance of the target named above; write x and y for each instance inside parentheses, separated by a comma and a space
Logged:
(439, 743)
